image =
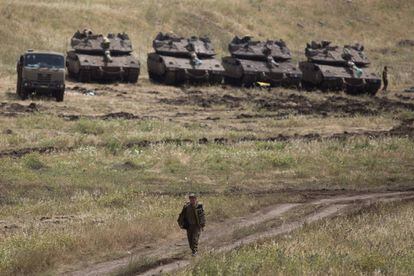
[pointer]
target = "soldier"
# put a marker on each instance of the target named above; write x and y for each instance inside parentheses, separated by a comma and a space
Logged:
(267, 51)
(193, 220)
(106, 44)
(356, 71)
(385, 78)
(193, 55)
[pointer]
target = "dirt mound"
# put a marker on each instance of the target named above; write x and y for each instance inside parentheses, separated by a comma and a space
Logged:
(406, 43)
(195, 97)
(16, 108)
(301, 105)
(108, 116)
(294, 104)
(24, 151)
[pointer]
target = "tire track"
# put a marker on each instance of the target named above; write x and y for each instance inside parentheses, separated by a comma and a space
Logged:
(172, 255)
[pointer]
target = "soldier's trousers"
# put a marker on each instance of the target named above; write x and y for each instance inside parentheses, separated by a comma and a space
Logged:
(193, 234)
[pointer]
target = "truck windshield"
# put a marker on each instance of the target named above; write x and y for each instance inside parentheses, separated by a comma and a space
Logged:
(44, 61)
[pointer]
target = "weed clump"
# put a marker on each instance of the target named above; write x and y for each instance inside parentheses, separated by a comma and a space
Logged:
(32, 161)
(89, 127)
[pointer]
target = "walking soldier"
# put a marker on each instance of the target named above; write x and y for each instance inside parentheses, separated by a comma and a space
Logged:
(193, 220)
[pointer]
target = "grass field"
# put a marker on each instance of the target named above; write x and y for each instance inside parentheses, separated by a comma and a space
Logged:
(98, 177)
(375, 241)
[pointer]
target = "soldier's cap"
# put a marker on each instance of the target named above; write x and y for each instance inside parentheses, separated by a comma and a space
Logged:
(192, 195)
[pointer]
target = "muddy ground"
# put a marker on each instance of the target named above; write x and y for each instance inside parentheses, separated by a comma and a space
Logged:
(232, 108)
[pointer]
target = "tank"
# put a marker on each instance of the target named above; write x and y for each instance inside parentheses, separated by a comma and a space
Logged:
(179, 60)
(260, 61)
(94, 57)
(338, 68)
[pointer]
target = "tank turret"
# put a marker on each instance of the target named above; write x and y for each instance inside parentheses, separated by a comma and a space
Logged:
(324, 53)
(254, 61)
(331, 67)
(102, 58)
(177, 60)
(246, 48)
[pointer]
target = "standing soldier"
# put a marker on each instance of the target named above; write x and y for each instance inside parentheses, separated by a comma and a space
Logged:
(193, 220)
(193, 55)
(106, 45)
(385, 78)
(267, 51)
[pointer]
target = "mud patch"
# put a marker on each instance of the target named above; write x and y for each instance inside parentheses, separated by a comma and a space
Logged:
(108, 116)
(406, 43)
(24, 151)
(206, 101)
(293, 104)
(13, 109)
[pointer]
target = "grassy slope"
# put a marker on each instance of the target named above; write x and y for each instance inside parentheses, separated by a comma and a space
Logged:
(379, 24)
(100, 187)
(379, 241)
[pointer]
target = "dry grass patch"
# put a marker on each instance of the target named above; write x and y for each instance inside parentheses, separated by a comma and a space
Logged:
(374, 241)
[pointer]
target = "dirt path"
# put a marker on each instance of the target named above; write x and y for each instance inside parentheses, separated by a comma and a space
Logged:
(173, 255)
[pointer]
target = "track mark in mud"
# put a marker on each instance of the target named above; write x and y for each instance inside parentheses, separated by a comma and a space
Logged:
(286, 228)
(14, 109)
(21, 152)
(405, 129)
(109, 116)
(171, 256)
(294, 104)
(201, 100)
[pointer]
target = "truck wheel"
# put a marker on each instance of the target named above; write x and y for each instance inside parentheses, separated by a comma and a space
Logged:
(19, 88)
(59, 95)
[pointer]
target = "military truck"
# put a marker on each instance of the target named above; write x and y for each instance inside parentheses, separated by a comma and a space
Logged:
(332, 67)
(177, 60)
(95, 57)
(254, 61)
(41, 72)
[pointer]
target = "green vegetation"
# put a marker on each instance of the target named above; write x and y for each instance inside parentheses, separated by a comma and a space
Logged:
(377, 241)
(111, 186)
(106, 197)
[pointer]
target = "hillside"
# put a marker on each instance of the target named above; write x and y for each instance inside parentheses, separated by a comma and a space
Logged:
(378, 24)
(93, 185)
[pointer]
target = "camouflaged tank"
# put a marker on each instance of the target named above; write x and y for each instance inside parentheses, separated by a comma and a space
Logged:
(336, 68)
(256, 61)
(98, 58)
(178, 60)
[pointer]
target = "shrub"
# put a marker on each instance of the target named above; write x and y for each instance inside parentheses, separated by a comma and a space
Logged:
(33, 162)
(89, 127)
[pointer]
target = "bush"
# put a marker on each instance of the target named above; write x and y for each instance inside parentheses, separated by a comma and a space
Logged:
(89, 127)
(33, 162)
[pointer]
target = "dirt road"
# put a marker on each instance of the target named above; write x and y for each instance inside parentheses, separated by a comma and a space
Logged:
(234, 233)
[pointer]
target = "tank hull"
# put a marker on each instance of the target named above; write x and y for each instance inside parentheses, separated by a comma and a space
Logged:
(178, 70)
(88, 67)
(245, 72)
(334, 78)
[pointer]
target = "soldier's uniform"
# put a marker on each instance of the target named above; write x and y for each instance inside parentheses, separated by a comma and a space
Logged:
(193, 55)
(193, 220)
(385, 78)
(106, 45)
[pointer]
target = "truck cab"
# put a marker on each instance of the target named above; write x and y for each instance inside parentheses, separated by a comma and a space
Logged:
(41, 72)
